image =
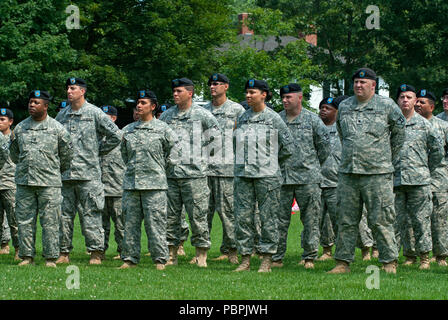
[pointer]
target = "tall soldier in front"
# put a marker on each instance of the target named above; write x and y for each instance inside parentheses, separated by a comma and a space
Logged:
(372, 132)
(187, 178)
(93, 135)
(302, 174)
(41, 149)
(220, 174)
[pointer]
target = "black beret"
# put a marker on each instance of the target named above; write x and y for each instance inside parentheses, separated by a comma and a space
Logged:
(7, 113)
(182, 82)
(111, 110)
(337, 101)
(364, 73)
(40, 94)
(76, 81)
(444, 92)
(257, 84)
(292, 87)
(404, 88)
(146, 94)
(329, 101)
(218, 77)
(423, 93)
(63, 104)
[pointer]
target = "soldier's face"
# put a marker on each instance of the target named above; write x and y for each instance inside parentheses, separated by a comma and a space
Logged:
(37, 107)
(424, 107)
(291, 100)
(5, 123)
(144, 108)
(181, 95)
(406, 101)
(445, 102)
(327, 113)
(364, 88)
(74, 93)
(255, 97)
(135, 116)
(218, 88)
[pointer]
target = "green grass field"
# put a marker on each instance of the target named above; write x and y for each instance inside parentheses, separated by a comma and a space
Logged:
(217, 282)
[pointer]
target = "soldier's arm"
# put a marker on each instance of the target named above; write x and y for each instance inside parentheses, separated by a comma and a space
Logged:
(4, 150)
(65, 147)
(110, 131)
(322, 141)
(212, 135)
(14, 150)
(171, 146)
(286, 144)
(397, 124)
(338, 126)
(436, 149)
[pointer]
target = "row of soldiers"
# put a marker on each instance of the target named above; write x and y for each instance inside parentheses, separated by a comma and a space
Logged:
(342, 168)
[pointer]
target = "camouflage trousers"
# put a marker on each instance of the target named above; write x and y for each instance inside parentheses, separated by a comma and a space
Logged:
(184, 228)
(247, 193)
(328, 217)
(8, 217)
(44, 202)
(308, 197)
(112, 210)
(150, 207)
(221, 200)
(194, 194)
(365, 236)
(439, 224)
(413, 207)
(88, 196)
(376, 192)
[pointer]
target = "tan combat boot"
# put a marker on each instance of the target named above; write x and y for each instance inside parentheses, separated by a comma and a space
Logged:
(51, 263)
(202, 257)
(341, 267)
(148, 254)
(172, 261)
(117, 257)
(375, 253)
(180, 249)
(221, 257)
(302, 262)
(4, 248)
(160, 266)
(390, 267)
(266, 263)
(26, 262)
(309, 264)
(16, 254)
(63, 258)
(365, 251)
(441, 261)
(277, 264)
(245, 264)
(410, 261)
(95, 257)
(326, 254)
(233, 256)
(127, 265)
(424, 261)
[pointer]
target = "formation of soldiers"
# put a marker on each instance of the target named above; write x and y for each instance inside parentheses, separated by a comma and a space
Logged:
(365, 172)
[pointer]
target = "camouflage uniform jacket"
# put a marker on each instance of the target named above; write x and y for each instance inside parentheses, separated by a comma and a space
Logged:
(7, 172)
(442, 115)
(439, 176)
(421, 153)
(331, 165)
(371, 135)
(262, 144)
(87, 127)
(195, 129)
(226, 114)
(311, 143)
(146, 149)
(112, 172)
(41, 151)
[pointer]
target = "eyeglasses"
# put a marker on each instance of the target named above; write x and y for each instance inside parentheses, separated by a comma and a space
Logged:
(215, 84)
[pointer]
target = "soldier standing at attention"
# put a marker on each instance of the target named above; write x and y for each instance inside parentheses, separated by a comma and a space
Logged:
(439, 180)
(372, 132)
(146, 149)
(262, 143)
(220, 175)
(8, 188)
(93, 135)
(112, 171)
(421, 153)
(444, 114)
(187, 179)
(41, 148)
(302, 174)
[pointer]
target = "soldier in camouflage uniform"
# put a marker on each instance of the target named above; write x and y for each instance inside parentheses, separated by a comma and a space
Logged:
(439, 180)
(262, 144)
(146, 147)
(187, 179)
(302, 174)
(8, 189)
(371, 129)
(444, 114)
(112, 171)
(422, 152)
(220, 175)
(41, 149)
(93, 135)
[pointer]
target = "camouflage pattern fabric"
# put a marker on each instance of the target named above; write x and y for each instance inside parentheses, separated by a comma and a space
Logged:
(113, 211)
(8, 217)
